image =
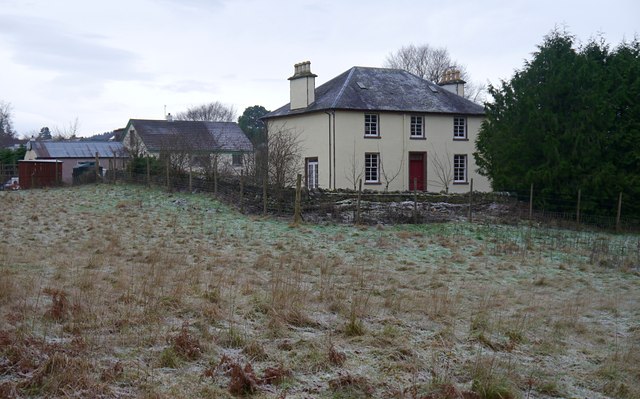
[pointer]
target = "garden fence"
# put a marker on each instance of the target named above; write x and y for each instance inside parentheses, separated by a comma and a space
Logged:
(368, 207)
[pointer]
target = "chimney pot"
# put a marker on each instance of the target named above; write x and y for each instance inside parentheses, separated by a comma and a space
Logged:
(302, 86)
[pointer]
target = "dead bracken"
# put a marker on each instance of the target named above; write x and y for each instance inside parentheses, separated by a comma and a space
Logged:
(133, 292)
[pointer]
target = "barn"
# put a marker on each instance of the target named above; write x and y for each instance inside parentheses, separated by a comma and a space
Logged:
(111, 155)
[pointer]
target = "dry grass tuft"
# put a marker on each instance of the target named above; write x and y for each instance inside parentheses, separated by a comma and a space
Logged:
(489, 382)
(112, 373)
(43, 369)
(443, 391)
(60, 308)
(243, 380)
(185, 345)
(336, 357)
(275, 375)
(346, 385)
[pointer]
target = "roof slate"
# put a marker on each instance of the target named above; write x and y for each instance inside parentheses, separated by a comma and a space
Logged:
(191, 135)
(383, 89)
(76, 149)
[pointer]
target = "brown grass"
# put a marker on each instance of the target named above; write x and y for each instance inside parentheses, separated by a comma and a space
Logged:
(130, 292)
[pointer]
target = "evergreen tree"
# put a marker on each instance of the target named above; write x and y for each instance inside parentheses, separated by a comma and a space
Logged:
(569, 120)
(45, 134)
(252, 125)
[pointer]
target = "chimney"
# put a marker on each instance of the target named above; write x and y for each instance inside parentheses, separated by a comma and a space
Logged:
(302, 86)
(451, 82)
(169, 117)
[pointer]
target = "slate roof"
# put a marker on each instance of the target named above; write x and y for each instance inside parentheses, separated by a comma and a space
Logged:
(75, 149)
(191, 135)
(383, 89)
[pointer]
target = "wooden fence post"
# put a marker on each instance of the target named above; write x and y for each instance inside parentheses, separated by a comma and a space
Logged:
(148, 172)
(241, 191)
(215, 179)
(97, 168)
(264, 193)
(578, 208)
(167, 173)
(297, 213)
(358, 202)
(470, 217)
(531, 204)
(415, 200)
(619, 212)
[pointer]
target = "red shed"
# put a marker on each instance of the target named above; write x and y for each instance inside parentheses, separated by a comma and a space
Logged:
(40, 173)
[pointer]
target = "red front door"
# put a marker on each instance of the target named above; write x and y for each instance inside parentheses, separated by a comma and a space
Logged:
(416, 171)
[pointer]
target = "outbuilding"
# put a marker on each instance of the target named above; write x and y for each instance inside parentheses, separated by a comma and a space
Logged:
(40, 173)
(110, 154)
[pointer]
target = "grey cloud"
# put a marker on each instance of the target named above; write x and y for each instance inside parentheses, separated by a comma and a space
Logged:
(42, 44)
(183, 86)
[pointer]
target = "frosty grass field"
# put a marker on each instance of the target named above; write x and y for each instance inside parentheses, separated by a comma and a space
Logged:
(124, 291)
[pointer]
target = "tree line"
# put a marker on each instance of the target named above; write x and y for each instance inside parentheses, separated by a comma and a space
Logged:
(568, 121)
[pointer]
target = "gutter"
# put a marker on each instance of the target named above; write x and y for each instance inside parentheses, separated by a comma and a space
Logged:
(331, 174)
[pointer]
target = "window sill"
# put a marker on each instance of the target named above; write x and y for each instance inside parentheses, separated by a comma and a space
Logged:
(372, 183)
(417, 138)
(461, 183)
(373, 137)
(460, 139)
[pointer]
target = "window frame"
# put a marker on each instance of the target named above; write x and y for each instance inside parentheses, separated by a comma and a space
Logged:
(308, 181)
(413, 124)
(368, 124)
(368, 168)
(235, 157)
(457, 167)
(457, 135)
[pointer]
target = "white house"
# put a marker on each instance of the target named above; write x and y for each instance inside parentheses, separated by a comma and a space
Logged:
(386, 127)
(198, 143)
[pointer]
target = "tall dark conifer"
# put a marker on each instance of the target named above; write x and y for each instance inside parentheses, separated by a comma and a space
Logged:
(568, 120)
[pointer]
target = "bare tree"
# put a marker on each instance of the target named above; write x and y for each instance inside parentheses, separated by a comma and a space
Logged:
(443, 170)
(424, 61)
(284, 155)
(6, 129)
(213, 112)
(177, 151)
(431, 63)
(354, 171)
(389, 177)
(70, 131)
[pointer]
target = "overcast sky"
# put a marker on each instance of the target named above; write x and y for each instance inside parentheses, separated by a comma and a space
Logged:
(105, 62)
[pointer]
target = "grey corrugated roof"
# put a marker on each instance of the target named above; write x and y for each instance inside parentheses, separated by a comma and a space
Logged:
(383, 89)
(76, 149)
(191, 135)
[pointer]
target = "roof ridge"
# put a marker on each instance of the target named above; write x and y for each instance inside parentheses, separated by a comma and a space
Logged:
(344, 86)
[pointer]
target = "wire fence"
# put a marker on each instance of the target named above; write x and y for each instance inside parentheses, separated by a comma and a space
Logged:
(252, 196)
(8, 171)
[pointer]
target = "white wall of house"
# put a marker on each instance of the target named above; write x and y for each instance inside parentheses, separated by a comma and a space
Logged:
(225, 160)
(339, 152)
(131, 141)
